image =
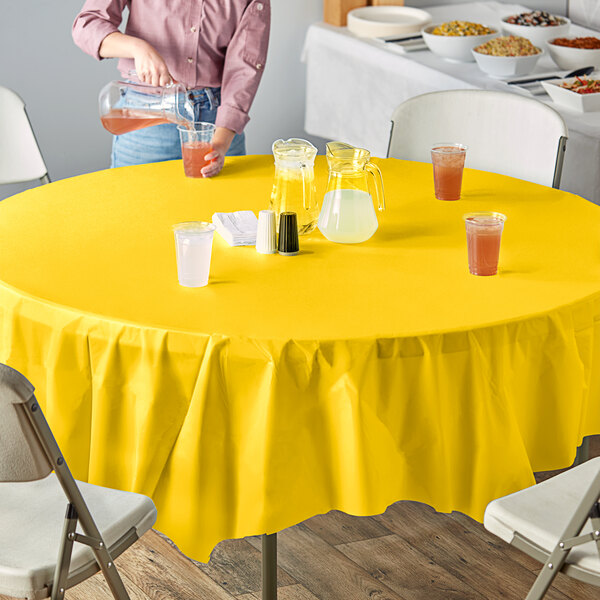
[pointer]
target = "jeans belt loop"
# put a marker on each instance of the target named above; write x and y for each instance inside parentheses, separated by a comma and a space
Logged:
(211, 98)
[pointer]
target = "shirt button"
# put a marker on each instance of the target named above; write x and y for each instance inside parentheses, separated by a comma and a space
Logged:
(259, 6)
(193, 29)
(259, 66)
(190, 59)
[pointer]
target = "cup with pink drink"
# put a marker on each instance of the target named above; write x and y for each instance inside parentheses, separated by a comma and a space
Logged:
(448, 159)
(196, 143)
(484, 232)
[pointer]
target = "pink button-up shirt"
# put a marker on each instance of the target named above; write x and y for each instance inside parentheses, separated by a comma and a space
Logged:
(205, 43)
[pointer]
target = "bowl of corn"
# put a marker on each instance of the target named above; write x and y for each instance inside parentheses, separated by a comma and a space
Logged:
(454, 40)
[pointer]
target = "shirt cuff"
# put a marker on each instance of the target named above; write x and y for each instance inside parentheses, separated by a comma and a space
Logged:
(232, 118)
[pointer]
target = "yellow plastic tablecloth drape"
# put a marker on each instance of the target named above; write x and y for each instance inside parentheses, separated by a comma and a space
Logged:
(347, 377)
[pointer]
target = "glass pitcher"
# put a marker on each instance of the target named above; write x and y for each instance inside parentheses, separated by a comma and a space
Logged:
(294, 187)
(348, 215)
(128, 106)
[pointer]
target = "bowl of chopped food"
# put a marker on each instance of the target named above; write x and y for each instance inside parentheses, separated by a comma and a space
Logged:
(537, 26)
(507, 56)
(575, 52)
(581, 94)
(454, 40)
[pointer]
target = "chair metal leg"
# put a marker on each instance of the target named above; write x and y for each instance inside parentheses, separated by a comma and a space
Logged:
(61, 572)
(583, 452)
(92, 537)
(269, 567)
(587, 507)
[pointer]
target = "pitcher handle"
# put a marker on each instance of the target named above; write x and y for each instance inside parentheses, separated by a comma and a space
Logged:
(374, 171)
(306, 192)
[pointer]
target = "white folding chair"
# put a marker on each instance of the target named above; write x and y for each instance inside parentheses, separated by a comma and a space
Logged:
(556, 522)
(505, 133)
(42, 552)
(20, 156)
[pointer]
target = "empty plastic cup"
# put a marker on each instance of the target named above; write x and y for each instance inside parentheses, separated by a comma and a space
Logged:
(196, 143)
(193, 246)
(484, 232)
(448, 161)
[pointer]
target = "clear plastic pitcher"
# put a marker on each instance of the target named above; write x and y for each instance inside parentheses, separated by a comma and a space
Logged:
(128, 106)
(348, 215)
(294, 187)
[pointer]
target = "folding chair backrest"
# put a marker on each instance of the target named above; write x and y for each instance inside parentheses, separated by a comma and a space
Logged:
(20, 156)
(22, 457)
(505, 133)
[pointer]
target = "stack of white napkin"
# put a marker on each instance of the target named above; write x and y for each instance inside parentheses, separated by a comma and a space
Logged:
(237, 228)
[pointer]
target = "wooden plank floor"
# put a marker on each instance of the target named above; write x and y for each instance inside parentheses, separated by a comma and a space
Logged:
(410, 552)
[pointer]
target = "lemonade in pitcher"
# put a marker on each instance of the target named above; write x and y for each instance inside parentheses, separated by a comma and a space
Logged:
(348, 215)
(294, 187)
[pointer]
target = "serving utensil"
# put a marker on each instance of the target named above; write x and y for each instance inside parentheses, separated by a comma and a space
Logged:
(575, 73)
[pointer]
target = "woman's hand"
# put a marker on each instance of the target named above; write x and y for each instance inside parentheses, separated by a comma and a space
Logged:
(149, 64)
(220, 143)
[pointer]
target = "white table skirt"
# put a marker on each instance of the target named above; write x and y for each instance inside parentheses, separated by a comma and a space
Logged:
(354, 84)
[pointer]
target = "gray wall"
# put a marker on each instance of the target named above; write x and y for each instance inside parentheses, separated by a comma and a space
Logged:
(60, 84)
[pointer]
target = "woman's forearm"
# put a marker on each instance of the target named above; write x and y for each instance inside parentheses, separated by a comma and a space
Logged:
(149, 64)
(119, 45)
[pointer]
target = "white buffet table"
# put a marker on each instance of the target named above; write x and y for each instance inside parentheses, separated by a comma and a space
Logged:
(354, 84)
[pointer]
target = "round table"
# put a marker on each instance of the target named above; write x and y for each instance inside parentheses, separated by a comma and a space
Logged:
(347, 377)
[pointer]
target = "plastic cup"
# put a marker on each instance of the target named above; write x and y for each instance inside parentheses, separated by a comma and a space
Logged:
(196, 143)
(448, 161)
(484, 232)
(193, 246)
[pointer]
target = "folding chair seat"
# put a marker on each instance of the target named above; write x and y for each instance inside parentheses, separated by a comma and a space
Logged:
(31, 526)
(561, 510)
(43, 550)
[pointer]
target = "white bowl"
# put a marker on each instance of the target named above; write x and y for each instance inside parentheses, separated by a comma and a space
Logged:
(454, 48)
(571, 99)
(536, 34)
(382, 21)
(573, 58)
(506, 66)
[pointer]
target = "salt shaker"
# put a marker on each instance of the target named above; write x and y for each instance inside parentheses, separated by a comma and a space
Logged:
(266, 234)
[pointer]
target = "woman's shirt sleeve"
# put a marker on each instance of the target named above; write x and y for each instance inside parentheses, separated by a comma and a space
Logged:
(244, 64)
(97, 19)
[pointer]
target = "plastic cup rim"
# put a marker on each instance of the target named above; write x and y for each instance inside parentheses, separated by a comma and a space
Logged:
(193, 227)
(195, 129)
(458, 147)
(470, 218)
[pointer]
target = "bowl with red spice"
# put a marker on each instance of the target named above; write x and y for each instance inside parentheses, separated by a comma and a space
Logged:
(581, 94)
(575, 52)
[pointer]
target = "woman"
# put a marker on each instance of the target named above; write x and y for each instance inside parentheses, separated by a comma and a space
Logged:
(216, 48)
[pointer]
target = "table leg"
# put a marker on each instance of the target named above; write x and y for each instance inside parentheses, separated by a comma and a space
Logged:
(583, 452)
(269, 567)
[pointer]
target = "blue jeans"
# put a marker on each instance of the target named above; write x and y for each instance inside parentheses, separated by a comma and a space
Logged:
(161, 142)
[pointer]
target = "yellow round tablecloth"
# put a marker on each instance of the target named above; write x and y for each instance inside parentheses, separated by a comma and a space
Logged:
(347, 377)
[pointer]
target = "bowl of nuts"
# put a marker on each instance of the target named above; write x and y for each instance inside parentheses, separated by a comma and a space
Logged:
(454, 40)
(537, 26)
(507, 56)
